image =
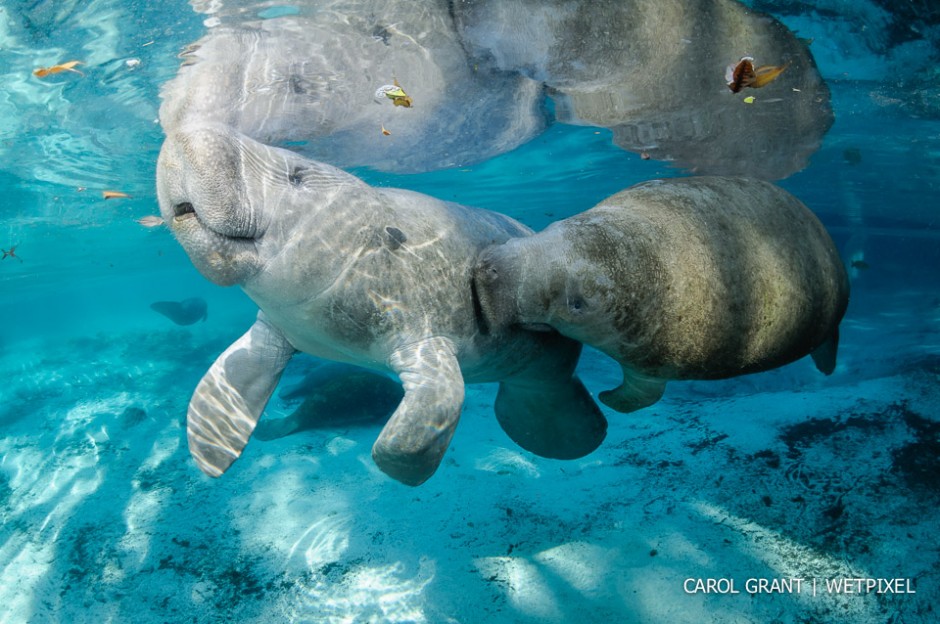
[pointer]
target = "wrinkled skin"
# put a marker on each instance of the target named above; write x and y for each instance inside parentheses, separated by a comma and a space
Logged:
(379, 278)
(694, 278)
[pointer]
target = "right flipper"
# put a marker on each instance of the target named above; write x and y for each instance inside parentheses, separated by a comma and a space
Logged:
(636, 392)
(824, 356)
(413, 442)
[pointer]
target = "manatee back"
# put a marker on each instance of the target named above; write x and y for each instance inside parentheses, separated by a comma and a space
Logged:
(710, 277)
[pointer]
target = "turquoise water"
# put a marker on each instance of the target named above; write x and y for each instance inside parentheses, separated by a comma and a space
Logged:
(783, 474)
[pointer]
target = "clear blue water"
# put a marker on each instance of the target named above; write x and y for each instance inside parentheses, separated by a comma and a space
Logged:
(782, 474)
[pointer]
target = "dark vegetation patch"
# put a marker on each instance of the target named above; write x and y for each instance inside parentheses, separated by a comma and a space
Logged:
(802, 435)
(768, 457)
(706, 443)
(90, 552)
(918, 461)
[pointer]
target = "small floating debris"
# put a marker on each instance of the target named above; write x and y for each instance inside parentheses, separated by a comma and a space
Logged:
(115, 195)
(42, 72)
(150, 221)
(743, 74)
(385, 132)
(395, 93)
(750, 99)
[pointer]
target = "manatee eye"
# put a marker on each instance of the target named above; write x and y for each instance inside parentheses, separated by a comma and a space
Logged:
(576, 305)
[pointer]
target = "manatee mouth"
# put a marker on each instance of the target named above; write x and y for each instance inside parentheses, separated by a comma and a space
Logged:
(185, 212)
(224, 257)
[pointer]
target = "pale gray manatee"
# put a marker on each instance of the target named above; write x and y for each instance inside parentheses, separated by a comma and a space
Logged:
(309, 82)
(379, 278)
(655, 73)
(691, 278)
(185, 312)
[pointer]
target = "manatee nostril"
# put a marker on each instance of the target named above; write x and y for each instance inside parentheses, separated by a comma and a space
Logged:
(182, 209)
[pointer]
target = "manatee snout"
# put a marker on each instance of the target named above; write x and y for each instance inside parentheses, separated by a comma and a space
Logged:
(204, 201)
(200, 175)
(492, 283)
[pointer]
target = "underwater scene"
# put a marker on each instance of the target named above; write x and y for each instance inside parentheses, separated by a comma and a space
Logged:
(458, 311)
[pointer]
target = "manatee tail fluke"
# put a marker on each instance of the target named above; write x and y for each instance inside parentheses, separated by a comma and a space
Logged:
(824, 356)
(556, 420)
(636, 392)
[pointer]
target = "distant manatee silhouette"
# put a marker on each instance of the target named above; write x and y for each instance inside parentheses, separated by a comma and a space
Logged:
(335, 395)
(185, 312)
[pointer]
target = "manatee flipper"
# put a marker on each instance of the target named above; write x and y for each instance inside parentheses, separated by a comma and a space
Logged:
(415, 438)
(636, 392)
(231, 396)
(824, 356)
(551, 418)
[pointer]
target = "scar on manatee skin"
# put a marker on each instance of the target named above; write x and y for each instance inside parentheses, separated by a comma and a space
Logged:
(395, 238)
(10, 253)
(42, 72)
(744, 75)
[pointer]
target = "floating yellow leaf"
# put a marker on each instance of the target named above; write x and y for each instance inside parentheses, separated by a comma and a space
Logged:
(395, 93)
(743, 74)
(42, 72)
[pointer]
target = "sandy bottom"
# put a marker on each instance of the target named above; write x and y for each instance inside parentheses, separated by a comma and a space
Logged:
(745, 485)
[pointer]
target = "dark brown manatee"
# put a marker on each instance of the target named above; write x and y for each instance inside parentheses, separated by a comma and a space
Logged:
(693, 278)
